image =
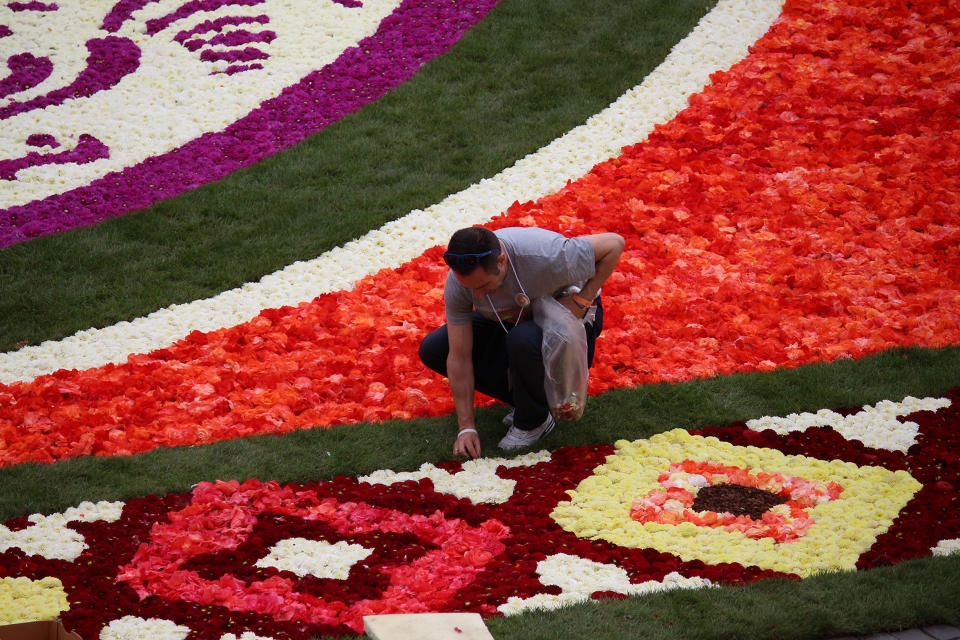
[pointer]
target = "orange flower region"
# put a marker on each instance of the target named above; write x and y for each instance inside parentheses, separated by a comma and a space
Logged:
(786, 522)
(803, 208)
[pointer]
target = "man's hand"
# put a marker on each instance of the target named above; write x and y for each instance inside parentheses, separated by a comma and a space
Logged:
(467, 444)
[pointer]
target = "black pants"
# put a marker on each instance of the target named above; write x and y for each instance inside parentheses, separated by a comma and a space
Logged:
(507, 366)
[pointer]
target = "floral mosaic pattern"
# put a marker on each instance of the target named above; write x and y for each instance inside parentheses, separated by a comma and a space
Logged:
(765, 169)
(802, 242)
(255, 559)
(851, 502)
(277, 71)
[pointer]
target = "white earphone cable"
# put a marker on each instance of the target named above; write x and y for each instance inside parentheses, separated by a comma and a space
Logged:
(522, 299)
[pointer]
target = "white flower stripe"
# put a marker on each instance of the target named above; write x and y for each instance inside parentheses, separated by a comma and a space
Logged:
(477, 482)
(719, 40)
(875, 426)
(579, 578)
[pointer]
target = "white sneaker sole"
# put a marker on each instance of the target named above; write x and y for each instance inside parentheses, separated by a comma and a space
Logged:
(507, 443)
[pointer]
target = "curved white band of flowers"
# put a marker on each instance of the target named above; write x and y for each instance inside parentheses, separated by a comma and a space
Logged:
(720, 39)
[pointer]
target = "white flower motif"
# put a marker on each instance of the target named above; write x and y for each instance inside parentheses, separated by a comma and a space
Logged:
(875, 426)
(134, 628)
(315, 557)
(946, 547)
(246, 635)
(50, 537)
(579, 578)
(721, 39)
(477, 482)
(579, 575)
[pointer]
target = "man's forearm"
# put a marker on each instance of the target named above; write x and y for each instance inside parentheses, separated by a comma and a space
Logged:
(460, 375)
(607, 248)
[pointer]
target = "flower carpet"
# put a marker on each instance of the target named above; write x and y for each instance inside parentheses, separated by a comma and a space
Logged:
(771, 224)
(802, 208)
(500, 536)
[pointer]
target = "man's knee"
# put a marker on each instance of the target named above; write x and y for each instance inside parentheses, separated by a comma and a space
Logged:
(434, 349)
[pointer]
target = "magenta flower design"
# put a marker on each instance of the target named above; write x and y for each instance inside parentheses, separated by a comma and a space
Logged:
(32, 6)
(26, 72)
(415, 32)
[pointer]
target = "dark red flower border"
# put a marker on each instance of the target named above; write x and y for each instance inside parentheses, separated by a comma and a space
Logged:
(96, 597)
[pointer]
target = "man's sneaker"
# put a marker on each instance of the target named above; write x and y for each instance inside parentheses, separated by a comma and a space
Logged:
(517, 438)
(508, 419)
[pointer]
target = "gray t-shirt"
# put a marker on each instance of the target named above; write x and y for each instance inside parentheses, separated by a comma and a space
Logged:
(540, 263)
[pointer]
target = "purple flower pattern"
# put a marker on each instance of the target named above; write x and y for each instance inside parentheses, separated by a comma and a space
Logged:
(110, 59)
(88, 148)
(32, 6)
(415, 32)
(26, 72)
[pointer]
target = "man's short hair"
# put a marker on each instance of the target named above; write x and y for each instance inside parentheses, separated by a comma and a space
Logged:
(475, 240)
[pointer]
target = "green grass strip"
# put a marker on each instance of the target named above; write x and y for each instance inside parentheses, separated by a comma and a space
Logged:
(524, 76)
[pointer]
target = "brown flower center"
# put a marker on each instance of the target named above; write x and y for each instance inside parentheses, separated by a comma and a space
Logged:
(736, 499)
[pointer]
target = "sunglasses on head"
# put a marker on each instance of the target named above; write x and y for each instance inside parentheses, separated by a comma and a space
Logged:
(466, 259)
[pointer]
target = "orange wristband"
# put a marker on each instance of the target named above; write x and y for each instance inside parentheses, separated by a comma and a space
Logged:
(583, 302)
